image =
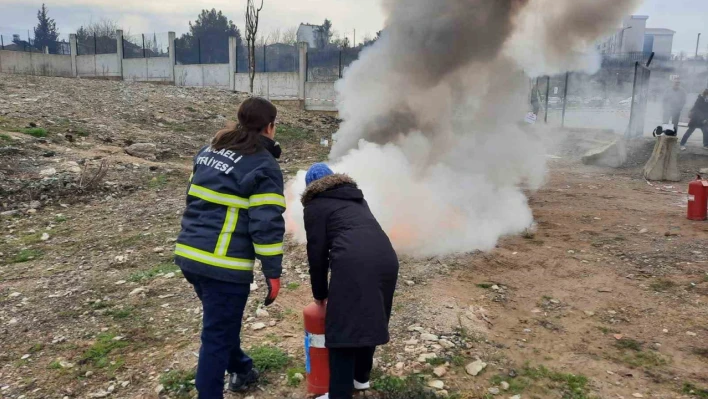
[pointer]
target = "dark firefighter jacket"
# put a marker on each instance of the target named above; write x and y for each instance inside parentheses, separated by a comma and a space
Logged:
(699, 112)
(343, 236)
(234, 214)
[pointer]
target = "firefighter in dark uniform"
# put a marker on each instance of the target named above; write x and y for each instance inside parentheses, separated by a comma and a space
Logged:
(234, 215)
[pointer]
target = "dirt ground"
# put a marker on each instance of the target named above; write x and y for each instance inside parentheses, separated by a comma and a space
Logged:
(606, 298)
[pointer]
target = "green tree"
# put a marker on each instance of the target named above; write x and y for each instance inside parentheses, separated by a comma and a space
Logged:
(208, 35)
(324, 34)
(45, 34)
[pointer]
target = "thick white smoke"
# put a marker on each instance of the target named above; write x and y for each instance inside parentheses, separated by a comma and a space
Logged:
(433, 115)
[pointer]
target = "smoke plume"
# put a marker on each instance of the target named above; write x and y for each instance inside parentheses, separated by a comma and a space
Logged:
(433, 115)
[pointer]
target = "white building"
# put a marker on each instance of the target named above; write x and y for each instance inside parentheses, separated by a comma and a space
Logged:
(634, 37)
(308, 33)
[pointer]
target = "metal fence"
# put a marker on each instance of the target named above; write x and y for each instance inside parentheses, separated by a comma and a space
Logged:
(271, 58)
(93, 44)
(609, 99)
(15, 42)
(640, 98)
(207, 49)
(147, 45)
(328, 65)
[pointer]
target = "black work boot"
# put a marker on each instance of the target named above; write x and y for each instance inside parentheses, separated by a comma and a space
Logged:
(241, 382)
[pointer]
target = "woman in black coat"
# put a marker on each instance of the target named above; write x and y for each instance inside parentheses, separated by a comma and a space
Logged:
(343, 236)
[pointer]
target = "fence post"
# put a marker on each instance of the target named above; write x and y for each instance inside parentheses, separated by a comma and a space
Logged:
(340, 64)
(72, 45)
(265, 62)
(144, 46)
(302, 54)
(120, 50)
(199, 50)
(565, 98)
(2, 43)
(548, 93)
(95, 45)
(233, 62)
(236, 67)
(634, 95)
(171, 37)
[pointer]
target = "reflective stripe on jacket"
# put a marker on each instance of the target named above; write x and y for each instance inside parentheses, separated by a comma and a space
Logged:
(234, 215)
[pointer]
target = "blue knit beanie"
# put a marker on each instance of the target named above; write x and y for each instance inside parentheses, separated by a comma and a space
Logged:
(316, 172)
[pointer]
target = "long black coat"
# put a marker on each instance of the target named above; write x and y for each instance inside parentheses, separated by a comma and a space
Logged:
(343, 235)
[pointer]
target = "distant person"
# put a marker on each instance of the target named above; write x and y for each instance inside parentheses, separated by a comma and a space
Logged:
(234, 215)
(674, 101)
(699, 120)
(344, 237)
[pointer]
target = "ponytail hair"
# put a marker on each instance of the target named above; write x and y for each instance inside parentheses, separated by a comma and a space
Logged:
(254, 116)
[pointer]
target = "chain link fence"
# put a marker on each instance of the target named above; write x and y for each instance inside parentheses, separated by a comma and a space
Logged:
(277, 57)
(329, 65)
(146, 45)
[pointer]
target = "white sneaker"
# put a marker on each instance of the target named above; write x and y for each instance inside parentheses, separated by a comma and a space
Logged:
(325, 396)
(683, 148)
(361, 386)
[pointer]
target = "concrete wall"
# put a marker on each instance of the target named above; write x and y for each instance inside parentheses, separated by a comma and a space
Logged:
(35, 63)
(101, 65)
(320, 96)
(273, 85)
(215, 75)
(147, 69)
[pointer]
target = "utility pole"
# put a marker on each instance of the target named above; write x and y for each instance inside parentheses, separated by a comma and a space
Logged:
(698, 42)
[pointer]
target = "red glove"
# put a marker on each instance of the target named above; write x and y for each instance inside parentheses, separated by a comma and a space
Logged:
(273, 290)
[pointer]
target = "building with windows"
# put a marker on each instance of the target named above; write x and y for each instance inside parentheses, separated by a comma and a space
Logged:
(633, 37)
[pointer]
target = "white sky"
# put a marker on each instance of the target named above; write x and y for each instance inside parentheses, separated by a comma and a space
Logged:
(686, 17)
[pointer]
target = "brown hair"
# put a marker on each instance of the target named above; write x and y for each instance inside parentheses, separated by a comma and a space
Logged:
(254, 115)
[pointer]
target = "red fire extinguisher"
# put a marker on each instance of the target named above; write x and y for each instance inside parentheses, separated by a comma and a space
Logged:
(698, 199)
(316, 354)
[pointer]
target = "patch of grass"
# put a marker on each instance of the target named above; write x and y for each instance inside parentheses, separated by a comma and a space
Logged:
(647, 359)
(81, 132)
(485, 286)
(5, 137)
(662, 285)
(98, 305)
(436, 361)
(36, 348)
(390, 387)
(268, 358)
(143, 275)
(55, 365)
(97, 354)
(458, 361)
(179, 382)
(606, 330)
(120, 314)
(34, 132)
(287, 134)
(690, 389)
(27, 255)
(703, 352)
(570, 385)
(190, 109)
(516, 385)
(629, 343)
(292, 381)
(157, 182)
(60, 218)
(274, 338)
(293, 286)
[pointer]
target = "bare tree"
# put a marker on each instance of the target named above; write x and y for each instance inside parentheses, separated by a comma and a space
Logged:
(290, 36)
(274, 36)
(252, 15)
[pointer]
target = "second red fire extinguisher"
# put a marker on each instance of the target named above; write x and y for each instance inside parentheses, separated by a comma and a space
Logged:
(698, 199)
(316, 354)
